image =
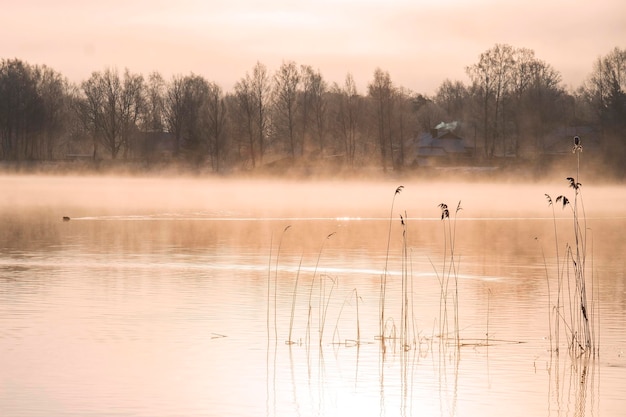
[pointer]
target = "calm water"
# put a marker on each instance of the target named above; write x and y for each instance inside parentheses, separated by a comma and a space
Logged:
(190, 297)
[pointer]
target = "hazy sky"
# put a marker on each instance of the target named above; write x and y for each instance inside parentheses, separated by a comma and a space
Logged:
(420, 43)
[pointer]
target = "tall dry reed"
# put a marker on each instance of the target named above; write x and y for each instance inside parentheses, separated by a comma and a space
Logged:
(449, 271)
(383, 279)
(579, 323)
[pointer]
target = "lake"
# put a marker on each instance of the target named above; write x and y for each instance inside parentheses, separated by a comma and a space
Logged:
(242, 297)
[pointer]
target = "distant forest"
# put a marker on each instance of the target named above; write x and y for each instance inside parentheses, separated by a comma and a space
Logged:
(514, 111)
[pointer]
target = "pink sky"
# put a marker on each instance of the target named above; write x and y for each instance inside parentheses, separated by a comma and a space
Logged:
(420, 43)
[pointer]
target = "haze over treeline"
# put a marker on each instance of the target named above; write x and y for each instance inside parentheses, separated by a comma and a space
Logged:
(514, 110)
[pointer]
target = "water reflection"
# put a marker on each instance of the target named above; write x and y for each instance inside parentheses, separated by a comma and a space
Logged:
(424, 375)
(202, 310)
(410, 382)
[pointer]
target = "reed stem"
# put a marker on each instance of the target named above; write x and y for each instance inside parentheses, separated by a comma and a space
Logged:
(383, 281)
(293, 304)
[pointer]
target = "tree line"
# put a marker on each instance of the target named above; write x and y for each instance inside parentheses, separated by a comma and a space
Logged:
(512, 106)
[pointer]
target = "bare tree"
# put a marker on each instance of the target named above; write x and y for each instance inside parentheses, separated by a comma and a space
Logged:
(551, 98)
(21, 109)
(452, 97)
(403, 122)
(605, 88)
(348, 112)
(195, 115)
(35, 107)
(246, 115)
(55, 93)
(156, 91)
(381, 91)
(253, 97)
(305, 102)
(132, 109)
(491, 77)
(195, 118)
(174, 109)
(99, 113)
(316, 89)
(535, 98)
(112, 108)
(286, 81)
(427, 112)
(605, 92)
(261, 91)
(216, 113)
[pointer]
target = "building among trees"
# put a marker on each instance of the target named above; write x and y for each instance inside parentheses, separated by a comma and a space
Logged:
(515, 113)
(442, 146)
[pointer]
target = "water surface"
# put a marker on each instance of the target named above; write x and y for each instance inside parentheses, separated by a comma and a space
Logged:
(204, 297)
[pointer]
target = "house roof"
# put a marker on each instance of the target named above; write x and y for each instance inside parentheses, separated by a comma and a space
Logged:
(450, 126)
(443, 143)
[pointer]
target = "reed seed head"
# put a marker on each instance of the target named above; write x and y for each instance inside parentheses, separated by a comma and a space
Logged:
(445, 213)
(562, 199)
(399, 189)
(572, 183)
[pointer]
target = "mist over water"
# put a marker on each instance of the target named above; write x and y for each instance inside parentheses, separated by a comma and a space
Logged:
(175, 296)
(276, 198)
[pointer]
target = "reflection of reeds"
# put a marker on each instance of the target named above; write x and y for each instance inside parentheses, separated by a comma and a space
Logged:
(280, 242)
(310, 310)
(269, 287)
(293, 305)
(488, 307)
(269, 291)
(324, 302)
(571, 383)
(576, 323)
(346, 301)
(391, 329)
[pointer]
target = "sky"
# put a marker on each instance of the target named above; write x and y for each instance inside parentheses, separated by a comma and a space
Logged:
(420, 43)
